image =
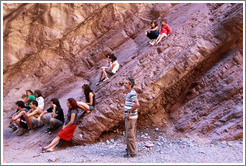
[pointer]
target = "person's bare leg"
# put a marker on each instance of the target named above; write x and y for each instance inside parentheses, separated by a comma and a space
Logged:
(28, 120)
(101, 73)
(52, 144)
(17, 122)
(105, 74)
(83, 106)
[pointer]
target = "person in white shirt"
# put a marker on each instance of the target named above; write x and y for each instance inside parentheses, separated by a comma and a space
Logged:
(39, 98)
(109, 70)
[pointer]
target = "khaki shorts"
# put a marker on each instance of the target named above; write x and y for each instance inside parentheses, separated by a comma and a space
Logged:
(35, 122)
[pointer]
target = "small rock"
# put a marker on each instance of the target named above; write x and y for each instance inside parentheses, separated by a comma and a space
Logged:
(111, 140)
(149, 145)
(156, 129)
(81, 135)
(146, 134)
(52, 159)
(107, 142)
(158, 143)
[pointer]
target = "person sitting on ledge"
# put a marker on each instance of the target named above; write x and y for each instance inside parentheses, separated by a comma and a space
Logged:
(53, 118)
(89, 103)
(109, 70)
(68, 129)
(31, 117)
(152, 33)
(165, 31)
(20, 122)
(39, 98)
(29, 98)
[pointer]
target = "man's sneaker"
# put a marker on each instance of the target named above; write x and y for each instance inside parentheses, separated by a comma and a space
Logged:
(48, 130)
(13, 127)
(97, 83)
(27, 132)
(20, 132)
(128, 155)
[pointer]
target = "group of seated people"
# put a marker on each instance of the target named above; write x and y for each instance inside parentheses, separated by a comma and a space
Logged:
(154, 35)
(30, 113)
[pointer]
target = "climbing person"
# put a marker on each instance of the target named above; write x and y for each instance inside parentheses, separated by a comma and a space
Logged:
(89, 103)
(152, 33)
(109, 70)
(19, 120)
(53, 117)
(39, 98)
(165, 31)
(131, 115)
(28, 99)
(67, 131)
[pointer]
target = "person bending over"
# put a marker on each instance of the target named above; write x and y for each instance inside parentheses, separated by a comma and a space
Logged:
(89, 103)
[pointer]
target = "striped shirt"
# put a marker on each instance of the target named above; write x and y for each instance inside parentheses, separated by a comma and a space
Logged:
(131, 97)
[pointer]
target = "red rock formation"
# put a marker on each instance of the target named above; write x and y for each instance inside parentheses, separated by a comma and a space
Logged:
(192, 82)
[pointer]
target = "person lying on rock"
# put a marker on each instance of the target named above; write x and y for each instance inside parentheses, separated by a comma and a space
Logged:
(89, 104)
(31, 117)
(165, 31)
(109, 70)
(152, 33)
(29, 98)
(67, 131)
(39, 98)
(53, 117)
(20, 122)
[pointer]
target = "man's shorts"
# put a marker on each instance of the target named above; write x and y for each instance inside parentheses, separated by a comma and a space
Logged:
(35, 122)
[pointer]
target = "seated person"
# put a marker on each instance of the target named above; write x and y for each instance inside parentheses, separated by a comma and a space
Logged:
(90, 99)
(53, 118)
(165, 31)
(152, 33)
(31, 117)
(68, 129)
(109, 70)
(39, 99)
(29, 98)
(18, 121)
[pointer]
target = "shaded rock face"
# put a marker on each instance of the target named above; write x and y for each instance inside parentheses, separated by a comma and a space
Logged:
(191, 83)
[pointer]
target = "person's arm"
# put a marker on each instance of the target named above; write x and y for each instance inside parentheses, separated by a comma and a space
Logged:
(112, 67)
(136, 105)
(41, 115)
(154, 29)
(71, 121)
(54, 115)
(26, 100)
(37, 110)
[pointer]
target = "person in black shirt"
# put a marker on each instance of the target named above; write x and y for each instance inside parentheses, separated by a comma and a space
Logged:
(53, 118)
(89, 97)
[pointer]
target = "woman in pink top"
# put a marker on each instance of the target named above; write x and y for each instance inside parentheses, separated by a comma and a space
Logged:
(165, 30)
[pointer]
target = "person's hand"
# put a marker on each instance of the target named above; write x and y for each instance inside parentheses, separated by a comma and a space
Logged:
(38, 119)
(63, 127)
(54, 106)
(128, 116)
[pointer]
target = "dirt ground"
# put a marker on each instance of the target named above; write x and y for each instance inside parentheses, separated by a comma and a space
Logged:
(165, 149)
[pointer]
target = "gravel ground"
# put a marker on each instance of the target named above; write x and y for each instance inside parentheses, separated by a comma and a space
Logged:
(163, 150)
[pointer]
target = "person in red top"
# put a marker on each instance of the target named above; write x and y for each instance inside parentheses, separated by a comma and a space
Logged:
(165, 31)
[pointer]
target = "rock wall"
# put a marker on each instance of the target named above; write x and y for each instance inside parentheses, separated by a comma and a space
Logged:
(191, 83)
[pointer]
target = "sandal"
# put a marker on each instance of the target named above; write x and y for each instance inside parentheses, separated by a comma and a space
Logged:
(47, 150)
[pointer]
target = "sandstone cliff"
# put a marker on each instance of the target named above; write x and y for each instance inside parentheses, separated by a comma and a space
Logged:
(191, 83)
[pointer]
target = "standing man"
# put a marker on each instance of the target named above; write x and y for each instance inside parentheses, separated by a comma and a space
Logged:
(131, 115)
